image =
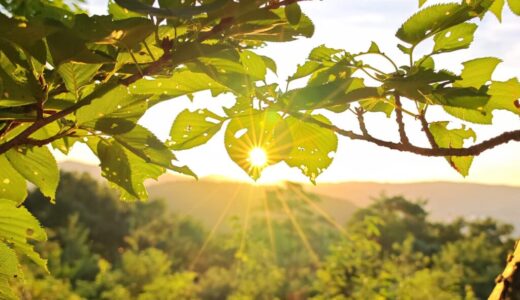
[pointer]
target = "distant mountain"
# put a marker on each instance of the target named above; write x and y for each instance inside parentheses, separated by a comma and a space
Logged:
(207, 198)
(445, 200)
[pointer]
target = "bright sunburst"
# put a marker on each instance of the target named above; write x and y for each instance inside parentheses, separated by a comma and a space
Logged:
(257, 157)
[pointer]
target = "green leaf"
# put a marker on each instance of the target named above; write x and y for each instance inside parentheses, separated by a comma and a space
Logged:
(191, 129)
(264, 130)
(76, 76)
(125, 170)
(17, 226)
(323, 53)
(305, 70)
(477, 72)
(514, 5)
(293, 12)
(12, 184)
(269, 63)
(179, 12)
(453, 138)
(470, 115)
(330, 94)
(313, 147)
(454, 38)
(179, 84)
(374, 48)
(459, 97)
(36, 164)
(378, 105)
(110, 100)
(120, 13)
(9, 270)
(421, 2)
(496, 8)
(253, 64)
(425, 22)
(146, 145)
(505, 95)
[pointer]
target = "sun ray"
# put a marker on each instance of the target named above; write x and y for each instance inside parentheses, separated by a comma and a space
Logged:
(246, 219)
(214, 229)
(269, 225)
(303, 237)
(318, 209)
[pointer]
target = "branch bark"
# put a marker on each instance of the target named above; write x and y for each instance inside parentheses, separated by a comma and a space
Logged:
(474, 150)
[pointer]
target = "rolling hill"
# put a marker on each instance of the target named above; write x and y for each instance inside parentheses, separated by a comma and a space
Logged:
(206, 199)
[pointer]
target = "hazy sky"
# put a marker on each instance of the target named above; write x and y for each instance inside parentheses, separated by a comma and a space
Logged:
(352, 25)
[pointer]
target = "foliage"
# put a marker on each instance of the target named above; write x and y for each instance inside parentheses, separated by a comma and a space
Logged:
(377, 254)
(67, 78)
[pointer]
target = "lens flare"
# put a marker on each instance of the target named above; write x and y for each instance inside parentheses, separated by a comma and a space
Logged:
(257, 157)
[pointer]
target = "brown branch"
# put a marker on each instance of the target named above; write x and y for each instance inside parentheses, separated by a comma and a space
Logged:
(426, 130)
(40, 143)
(23, 137)
(361, 120)
(474, 150)
(399, 120)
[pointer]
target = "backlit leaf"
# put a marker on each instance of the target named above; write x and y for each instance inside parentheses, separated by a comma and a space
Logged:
(454, 38)
(477, 72)
(453, 138)
(313, 147)
(191, 129)
(36, 164)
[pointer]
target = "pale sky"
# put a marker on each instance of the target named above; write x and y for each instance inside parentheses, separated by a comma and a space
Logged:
(352, 25)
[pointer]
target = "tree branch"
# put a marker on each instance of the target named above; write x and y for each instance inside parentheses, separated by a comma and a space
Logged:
(426, 130)
(399, 120)
(474, 150)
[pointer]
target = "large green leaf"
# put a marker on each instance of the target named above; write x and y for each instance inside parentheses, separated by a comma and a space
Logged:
(9, 271)
(260, 131)
(107, 101)
(125, 170)
(454, 38)
(329, 94)
(191, 129)
(179, 12)
(435, 18)
(12, 184)
(514, 5)
(179, 84)
(253, 64)
(76, 76)
(36, 164)
(313, 147)
(505, 95)
(497, 8)
(453, 138)
(476, 116)
(477, 72)
(17, 226)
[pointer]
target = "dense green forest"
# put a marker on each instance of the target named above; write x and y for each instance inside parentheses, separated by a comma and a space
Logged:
(102, 248)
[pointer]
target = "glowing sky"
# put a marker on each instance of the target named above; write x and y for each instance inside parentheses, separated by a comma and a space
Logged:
(352, 25)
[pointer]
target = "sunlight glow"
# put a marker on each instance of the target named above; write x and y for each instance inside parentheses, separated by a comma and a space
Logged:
(257, 157)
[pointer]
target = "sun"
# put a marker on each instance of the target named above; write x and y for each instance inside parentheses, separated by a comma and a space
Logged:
(257, 157)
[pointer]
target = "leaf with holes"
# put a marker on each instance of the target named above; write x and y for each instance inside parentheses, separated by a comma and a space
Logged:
(191, 129)
(454, 38)
(313, 147)
(264, 132)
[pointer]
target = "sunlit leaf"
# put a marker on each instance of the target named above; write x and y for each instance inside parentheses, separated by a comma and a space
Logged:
(453, 138)
(263, 130)
(454, 38)
(477, 72)
(505, 95)
(12, 184)
(37, 165)
(313, 147)
(191, 129)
